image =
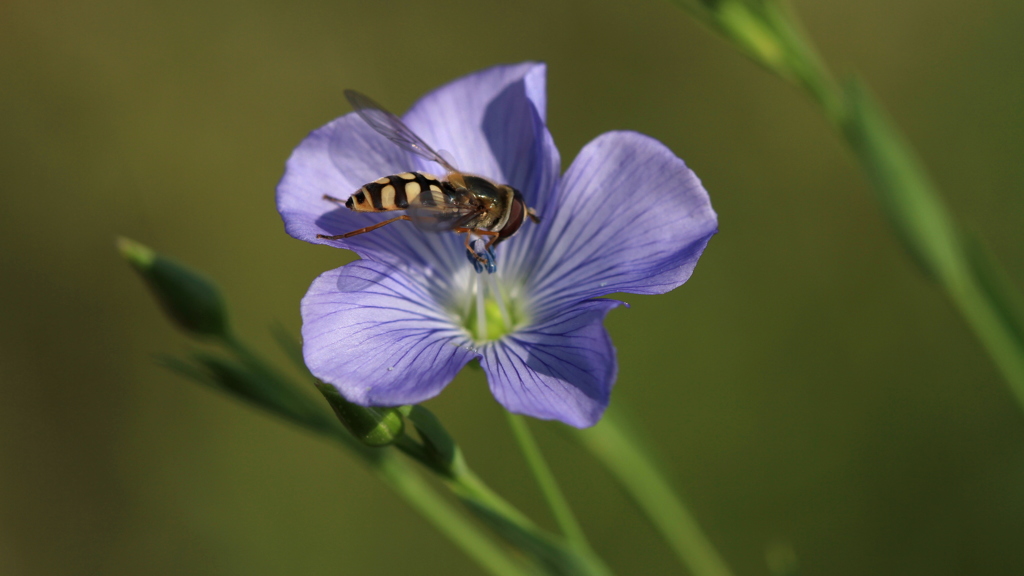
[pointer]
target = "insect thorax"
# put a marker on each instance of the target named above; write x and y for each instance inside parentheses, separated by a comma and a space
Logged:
(493, 199)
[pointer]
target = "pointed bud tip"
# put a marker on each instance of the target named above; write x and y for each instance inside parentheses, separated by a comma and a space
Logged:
(192, 300)
(138, 255)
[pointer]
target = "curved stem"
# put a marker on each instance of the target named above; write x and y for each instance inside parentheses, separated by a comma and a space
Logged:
(915, 208)
(549, 552)
(439, 453)
(417, 493)
(635, 470)
(396, 473)
(560, 508)
(770, 33)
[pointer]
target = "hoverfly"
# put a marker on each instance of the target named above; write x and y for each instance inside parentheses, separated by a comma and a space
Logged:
(459, 202)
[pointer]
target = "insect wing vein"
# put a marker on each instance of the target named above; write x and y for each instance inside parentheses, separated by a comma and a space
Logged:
(440, 217)
(392, 128)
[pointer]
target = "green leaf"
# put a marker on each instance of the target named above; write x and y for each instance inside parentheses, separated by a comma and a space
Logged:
(998, 287)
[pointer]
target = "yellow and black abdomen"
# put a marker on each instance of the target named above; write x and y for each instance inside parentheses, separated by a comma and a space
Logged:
(397, 192)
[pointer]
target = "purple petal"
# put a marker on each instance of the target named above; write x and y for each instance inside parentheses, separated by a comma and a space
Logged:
(492, 122)
(379, 337)
(337, 160)
(631, 217)
(562, 369)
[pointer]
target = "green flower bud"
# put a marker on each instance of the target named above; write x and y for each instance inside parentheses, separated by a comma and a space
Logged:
(373, 426)
(192, 301)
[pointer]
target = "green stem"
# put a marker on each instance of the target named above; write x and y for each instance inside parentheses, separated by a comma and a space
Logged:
(930, 232)
(394, 472)
(911, 202)
(772, 36)
(560, 508)
(439, 454)
(808, 69)
(550, 553)
(635, 470)
(468, 486)
(401, 478)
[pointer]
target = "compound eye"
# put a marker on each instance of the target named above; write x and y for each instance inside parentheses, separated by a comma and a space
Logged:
(515, 219)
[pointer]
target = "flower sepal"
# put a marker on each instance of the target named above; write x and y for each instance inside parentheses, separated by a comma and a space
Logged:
(439, 450)
(373, 426)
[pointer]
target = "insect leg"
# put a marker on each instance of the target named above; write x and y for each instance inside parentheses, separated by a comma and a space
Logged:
(363, 230)
(481, 261)
(333, 199)
(494, 238)
(478, 262)
(468, 236)
(470, 231)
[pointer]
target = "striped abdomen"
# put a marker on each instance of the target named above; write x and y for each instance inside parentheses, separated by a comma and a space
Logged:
(397, 192)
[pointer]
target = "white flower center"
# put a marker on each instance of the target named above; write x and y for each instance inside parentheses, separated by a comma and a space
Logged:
(491, 308)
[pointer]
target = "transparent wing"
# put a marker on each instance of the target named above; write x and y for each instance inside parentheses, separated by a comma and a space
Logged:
(428, 214)
(392, 127)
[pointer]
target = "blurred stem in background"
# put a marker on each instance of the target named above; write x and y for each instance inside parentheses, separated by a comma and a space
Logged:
(616, 445)
(770, 34)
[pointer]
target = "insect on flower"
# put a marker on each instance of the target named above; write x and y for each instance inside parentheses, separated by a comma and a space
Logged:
(396, 326)
(460, 202)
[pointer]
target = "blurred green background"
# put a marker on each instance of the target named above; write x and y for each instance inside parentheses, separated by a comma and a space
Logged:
(808, 388)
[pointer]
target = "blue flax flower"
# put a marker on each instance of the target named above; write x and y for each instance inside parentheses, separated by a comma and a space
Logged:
(396, 326)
